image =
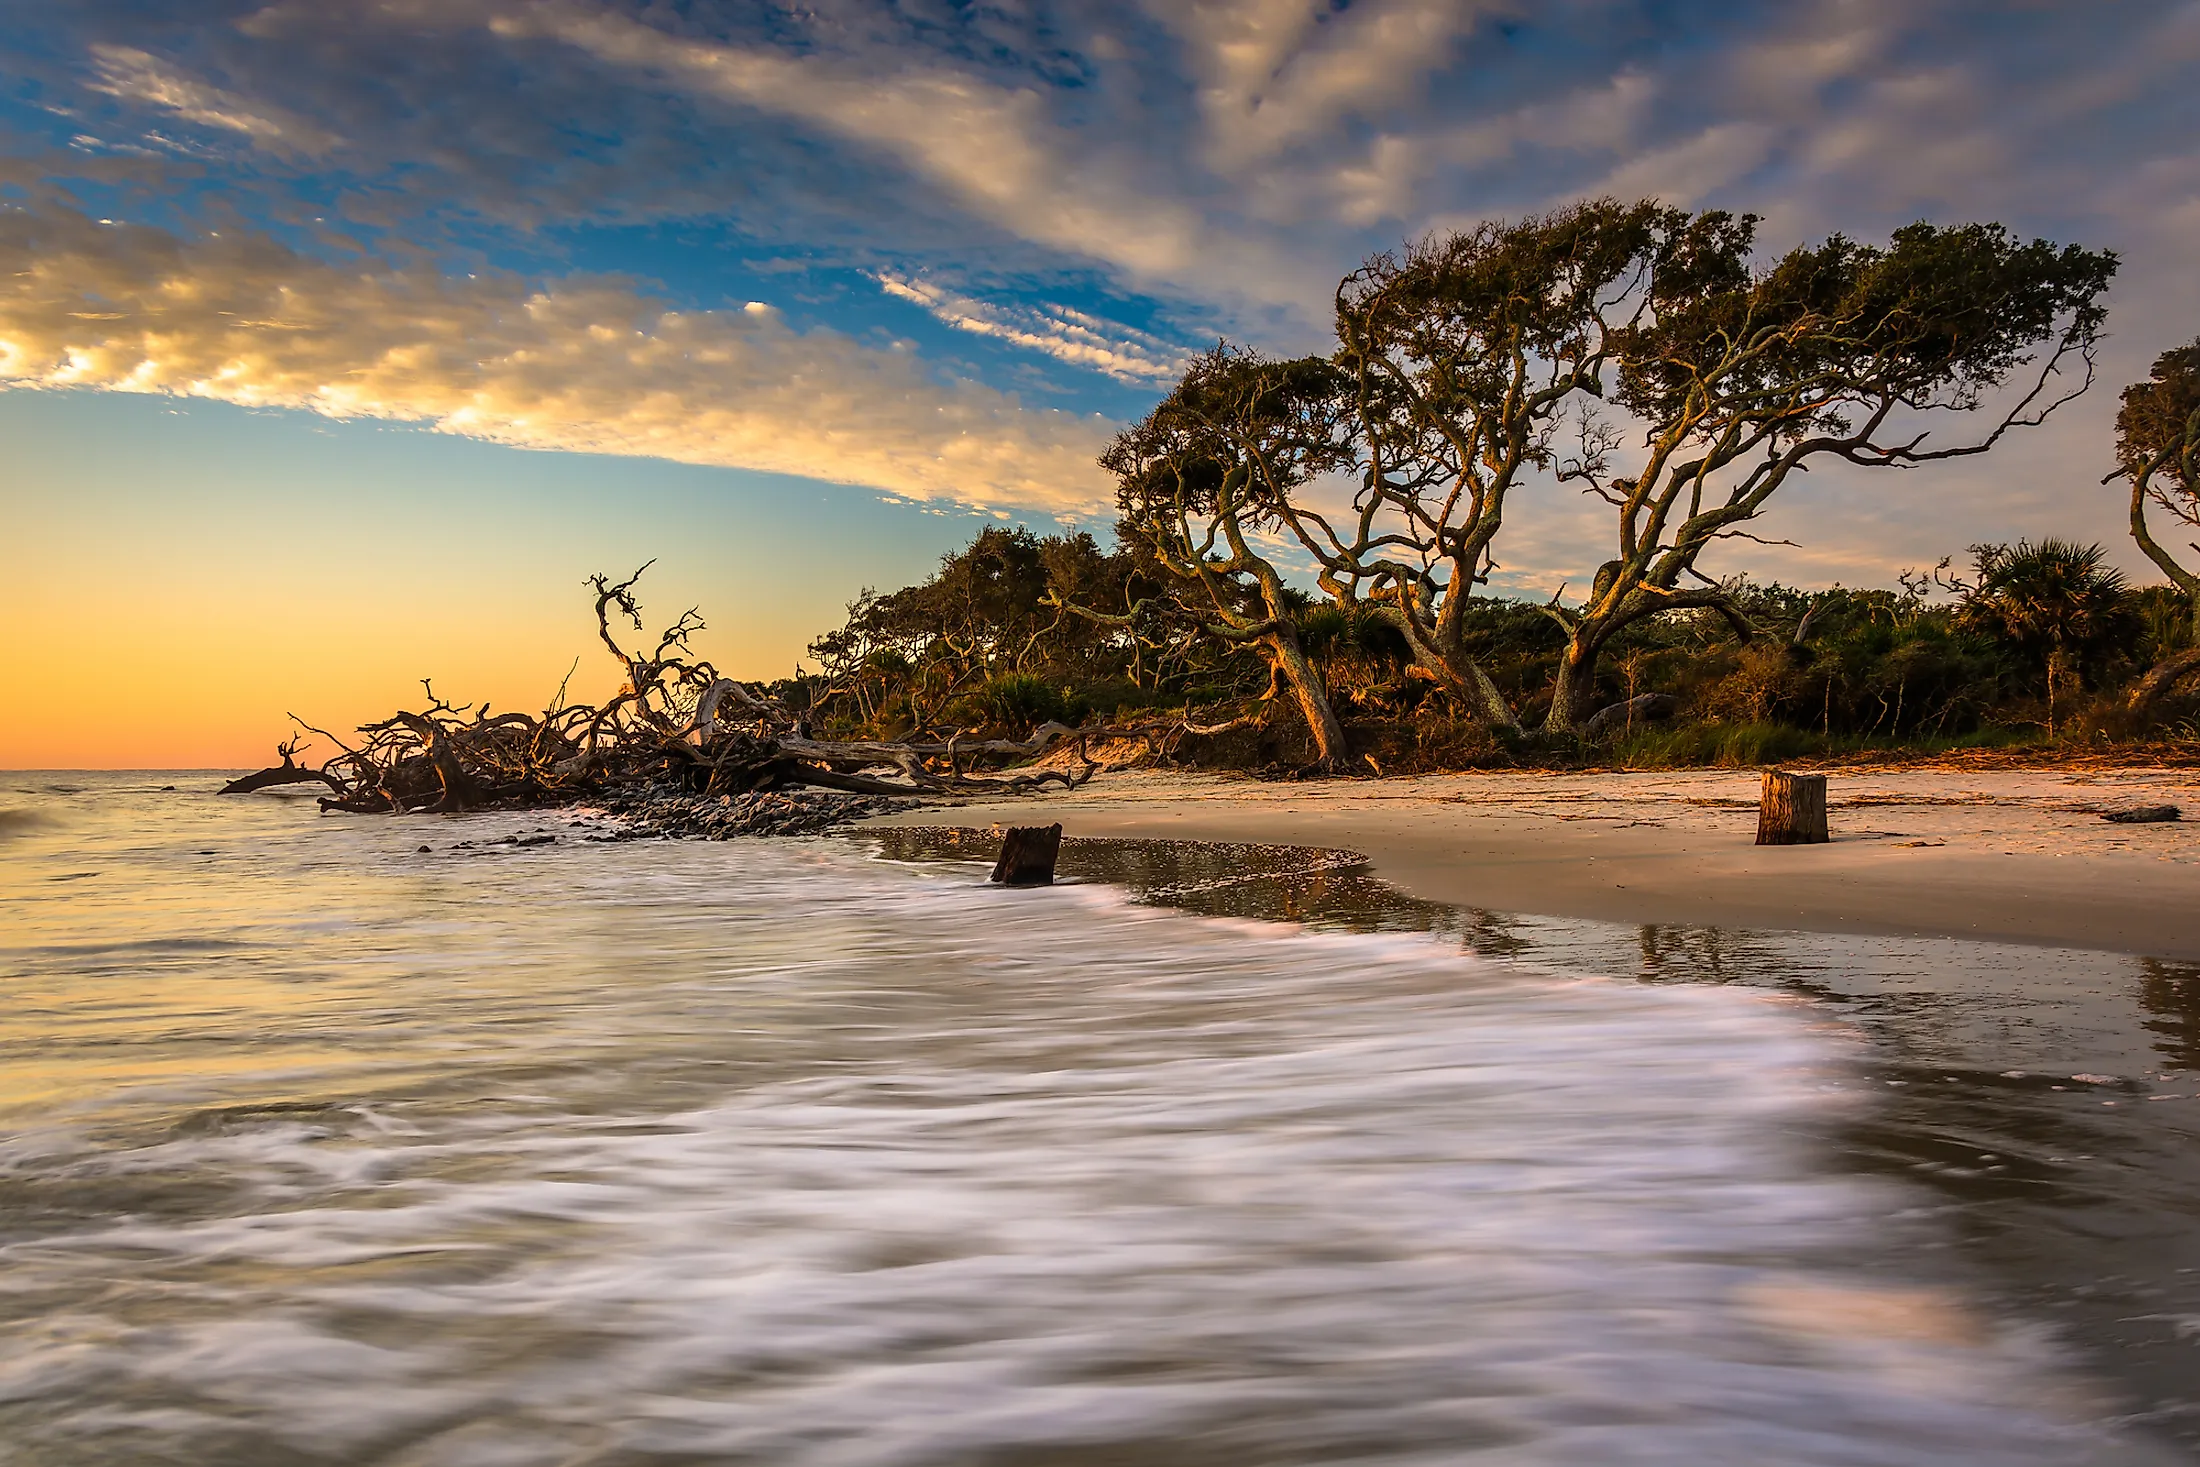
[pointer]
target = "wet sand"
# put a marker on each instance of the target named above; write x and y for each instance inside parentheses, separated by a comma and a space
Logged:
(2009, 856)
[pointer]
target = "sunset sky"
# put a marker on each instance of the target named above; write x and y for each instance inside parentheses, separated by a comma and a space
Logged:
(341, 339)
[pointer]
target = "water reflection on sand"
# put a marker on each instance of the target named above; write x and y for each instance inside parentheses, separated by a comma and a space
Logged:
(2050, 1098)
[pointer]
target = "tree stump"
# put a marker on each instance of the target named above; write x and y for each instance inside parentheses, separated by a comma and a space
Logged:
(1027, 855)
(1792, 811)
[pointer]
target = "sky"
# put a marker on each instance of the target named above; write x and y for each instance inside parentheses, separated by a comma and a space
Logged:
(341, 339)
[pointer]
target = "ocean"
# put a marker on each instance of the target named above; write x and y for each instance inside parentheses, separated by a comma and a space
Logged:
(317, 1146)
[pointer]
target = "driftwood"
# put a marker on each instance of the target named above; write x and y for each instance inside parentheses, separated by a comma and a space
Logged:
(676, 722)
(2145, 815)
(287, 772)
(2160, 678)
(1643, 709)
(1028, 854)
(1792, 810)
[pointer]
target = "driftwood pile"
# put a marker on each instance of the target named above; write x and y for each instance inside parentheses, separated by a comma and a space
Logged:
(678, 728)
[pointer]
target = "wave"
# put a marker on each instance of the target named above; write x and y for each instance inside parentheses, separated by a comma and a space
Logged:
(774, 1154)
(18, 820)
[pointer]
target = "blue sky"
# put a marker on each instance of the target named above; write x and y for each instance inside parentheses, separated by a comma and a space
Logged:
(857, 276)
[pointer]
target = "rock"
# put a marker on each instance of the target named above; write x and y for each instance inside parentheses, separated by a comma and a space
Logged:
(2144, 815)
(670, 814)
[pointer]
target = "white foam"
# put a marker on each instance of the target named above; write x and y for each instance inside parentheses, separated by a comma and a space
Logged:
(738, 1155)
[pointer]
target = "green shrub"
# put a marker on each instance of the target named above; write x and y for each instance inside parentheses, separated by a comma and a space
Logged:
(1020, 700)
(1722, 745)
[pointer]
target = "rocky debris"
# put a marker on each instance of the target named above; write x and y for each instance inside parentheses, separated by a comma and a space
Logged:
(665, 812)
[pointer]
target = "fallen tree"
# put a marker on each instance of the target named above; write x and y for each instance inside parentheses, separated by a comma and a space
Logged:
(677, 722)
(290, 771)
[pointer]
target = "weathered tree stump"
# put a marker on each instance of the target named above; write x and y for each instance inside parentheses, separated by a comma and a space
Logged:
(1027, 855)
(1792, 810)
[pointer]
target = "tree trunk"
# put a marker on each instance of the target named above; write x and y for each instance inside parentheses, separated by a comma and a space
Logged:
(283, 773)
(1574, 695)
(1313, 699)
(1792, 811)
(1473, 685)
(1028, 853)
(1462, 674)
(2161, 677)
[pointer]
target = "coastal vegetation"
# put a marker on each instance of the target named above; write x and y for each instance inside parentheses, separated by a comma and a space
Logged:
(2027, 645)
(1300, 572)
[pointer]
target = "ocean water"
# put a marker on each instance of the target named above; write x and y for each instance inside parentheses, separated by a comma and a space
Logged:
(316, 1147)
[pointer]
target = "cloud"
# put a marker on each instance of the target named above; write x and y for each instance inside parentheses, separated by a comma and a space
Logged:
(994, 149)
(1228, 158)
(1068, 335)
(582, 364)
(134, 75)
(1274, 73)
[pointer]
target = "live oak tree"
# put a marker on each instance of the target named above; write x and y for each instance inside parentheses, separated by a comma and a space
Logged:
(1460, 355)
(1839, 352)
(2158, 451)
(1205, 483)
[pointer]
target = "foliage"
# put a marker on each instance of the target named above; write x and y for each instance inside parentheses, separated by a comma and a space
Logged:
(1462, 353)
(1020, 700)
(2158, 450)
(971, 645)
(1383, 473)
(2051, 600)
(1822, 672)
(1743, 377)
(1210, 472)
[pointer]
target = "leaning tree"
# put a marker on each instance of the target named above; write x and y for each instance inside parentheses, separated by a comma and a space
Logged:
(1204, 483)
(1838, 353)
(1461, 353)
(2158, 451)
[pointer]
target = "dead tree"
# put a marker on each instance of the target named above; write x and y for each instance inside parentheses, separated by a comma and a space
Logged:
(676, 720)
(1028, 854)
(1792, 810)
(287, 772)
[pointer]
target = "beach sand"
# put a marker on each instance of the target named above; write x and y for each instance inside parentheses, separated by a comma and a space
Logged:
(2011, 856)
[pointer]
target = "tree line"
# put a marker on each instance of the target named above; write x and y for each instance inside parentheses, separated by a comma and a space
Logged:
(1321, 532)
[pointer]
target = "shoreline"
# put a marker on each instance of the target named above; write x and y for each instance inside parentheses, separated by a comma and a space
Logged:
(2019, 856)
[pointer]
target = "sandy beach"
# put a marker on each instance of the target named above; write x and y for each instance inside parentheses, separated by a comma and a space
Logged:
(2013, 856)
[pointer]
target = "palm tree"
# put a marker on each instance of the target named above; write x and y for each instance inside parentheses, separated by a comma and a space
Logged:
(2052, 600)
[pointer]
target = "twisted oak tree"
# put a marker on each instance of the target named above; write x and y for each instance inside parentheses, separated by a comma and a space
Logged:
(2158, 450)
(1460, 356)
(1206, 478)
(1838, 352)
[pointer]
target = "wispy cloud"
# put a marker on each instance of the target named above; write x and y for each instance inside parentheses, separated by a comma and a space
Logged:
(1073, 336)
(1225, 159)
(995, 149)
(583, 364)
(1273, 73)
(137, 76)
